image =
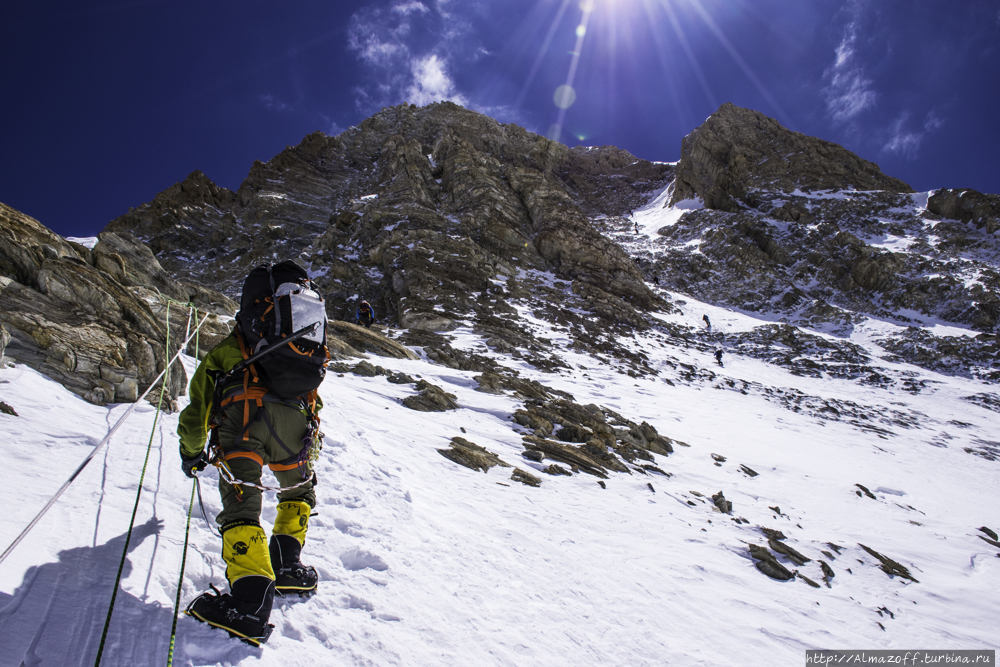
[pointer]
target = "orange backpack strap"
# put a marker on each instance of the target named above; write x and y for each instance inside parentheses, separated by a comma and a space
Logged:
(254, 393)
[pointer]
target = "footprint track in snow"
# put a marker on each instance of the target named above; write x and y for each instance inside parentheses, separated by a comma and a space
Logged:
(349, 528)
(360, 559)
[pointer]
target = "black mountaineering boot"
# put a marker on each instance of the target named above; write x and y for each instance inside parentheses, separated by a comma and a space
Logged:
(242, 613)
(290, 576)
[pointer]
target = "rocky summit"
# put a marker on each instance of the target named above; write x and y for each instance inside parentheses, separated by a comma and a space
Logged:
(435, 215)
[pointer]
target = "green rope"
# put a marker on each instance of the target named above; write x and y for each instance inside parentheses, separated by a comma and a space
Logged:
(135, 508)
(180, 580)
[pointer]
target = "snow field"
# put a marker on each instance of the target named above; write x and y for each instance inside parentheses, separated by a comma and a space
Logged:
(423, 562)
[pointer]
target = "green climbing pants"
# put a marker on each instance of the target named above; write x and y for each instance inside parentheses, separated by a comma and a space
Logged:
(273, 437)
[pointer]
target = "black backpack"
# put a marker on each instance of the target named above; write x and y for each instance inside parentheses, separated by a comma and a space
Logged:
(277, 301)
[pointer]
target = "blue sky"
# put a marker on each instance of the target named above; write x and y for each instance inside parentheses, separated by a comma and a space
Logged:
(103, 104)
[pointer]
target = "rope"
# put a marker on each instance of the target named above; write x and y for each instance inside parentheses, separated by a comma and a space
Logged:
(197, 348)
(180, 580)
(138, 495)
(203, 512)
(93, 453)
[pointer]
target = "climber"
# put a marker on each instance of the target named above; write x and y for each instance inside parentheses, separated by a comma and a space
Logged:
(708, 322)
(263, 415)
(718, 355)
(365, 315)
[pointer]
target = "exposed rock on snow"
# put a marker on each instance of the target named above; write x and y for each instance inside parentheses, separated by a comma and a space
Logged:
(768, 564)
(430, 399)
(363, 339)
(986, 400)
(787, 550)
(889, 566)
(605, 434)
(575, 457)
(725, 506)
(497, 383)
(525, 478)
(471, 455)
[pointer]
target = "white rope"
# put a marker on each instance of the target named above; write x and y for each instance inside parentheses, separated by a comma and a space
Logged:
(98, 447)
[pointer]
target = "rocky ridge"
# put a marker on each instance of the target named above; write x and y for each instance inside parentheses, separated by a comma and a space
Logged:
(95, 319)
(806, 231)
(443, 218)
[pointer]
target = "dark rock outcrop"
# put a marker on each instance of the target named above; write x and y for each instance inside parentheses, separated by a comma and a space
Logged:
(430, 399)
(980, 209)
(361, 339)
(471, 455)
(525, 477)
(889, 566)
(723, 505)
(94, 319)
(607, 438)
(737, 151)
(768, 564)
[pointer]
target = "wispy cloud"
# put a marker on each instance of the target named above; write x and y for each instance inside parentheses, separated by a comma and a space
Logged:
(901, 140)
(333, 128)
(410, 47)
(410, 7)
(271, 103)
(431, 82)
(848, 91)
(905, 141)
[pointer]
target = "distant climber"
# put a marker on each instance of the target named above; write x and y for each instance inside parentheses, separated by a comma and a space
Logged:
(264, 414)
(656, 279)
(365, 315)
(708, 322)
(637, 228)
(718, 355)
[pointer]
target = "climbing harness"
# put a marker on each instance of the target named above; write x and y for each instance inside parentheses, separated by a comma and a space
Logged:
(224, 397)
(313, 443)
(96, 449)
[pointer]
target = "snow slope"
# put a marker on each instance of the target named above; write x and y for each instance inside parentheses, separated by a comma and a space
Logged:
(424, 562)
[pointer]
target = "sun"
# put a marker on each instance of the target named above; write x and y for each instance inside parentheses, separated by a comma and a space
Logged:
(608, 31)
